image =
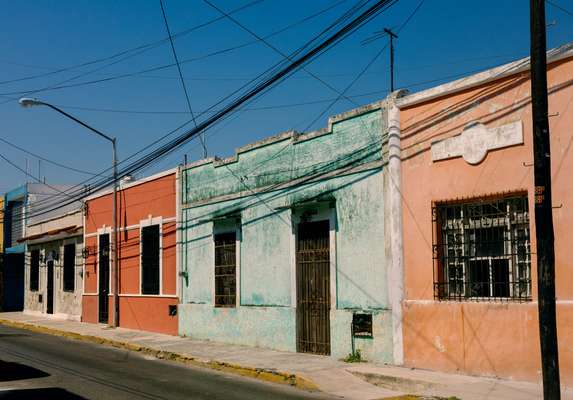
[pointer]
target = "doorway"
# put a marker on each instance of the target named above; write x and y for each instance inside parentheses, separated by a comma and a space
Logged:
(103, 272)
(313, 287)
(50, 287)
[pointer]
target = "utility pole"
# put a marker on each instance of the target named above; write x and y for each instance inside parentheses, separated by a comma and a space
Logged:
(392, 36)
(543, 205)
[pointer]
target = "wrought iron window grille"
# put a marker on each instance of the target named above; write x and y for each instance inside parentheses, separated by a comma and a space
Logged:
(225, 269)
(482, 250)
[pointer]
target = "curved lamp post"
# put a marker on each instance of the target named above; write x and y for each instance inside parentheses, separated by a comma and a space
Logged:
(30, 102)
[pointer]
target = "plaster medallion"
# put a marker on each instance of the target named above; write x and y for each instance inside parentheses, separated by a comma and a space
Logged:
(476, 140)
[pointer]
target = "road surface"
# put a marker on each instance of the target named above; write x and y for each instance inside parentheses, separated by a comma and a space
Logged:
(39, 366)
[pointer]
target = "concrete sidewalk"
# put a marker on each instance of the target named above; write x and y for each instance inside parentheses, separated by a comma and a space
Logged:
(339, 379)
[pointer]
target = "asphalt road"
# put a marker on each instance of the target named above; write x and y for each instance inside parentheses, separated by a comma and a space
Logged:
(39, 366)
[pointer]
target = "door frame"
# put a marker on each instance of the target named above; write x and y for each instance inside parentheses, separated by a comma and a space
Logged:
(324, 211)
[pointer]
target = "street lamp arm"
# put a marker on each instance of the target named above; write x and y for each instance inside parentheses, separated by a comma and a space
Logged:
(103, 135)
(30, 102)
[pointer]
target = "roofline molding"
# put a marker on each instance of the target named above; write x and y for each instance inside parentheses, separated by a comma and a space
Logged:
(296, 137)
(515, 67)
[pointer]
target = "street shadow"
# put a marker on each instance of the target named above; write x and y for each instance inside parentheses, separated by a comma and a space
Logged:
(39, 393)
(11, 371)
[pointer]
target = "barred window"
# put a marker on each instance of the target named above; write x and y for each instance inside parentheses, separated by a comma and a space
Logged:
(69, 267)
(482, 249)
(225, 269)
(150, 259)
(34, 270)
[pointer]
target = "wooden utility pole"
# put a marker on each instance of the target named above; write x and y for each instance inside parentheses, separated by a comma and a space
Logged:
(392, 36)
(543, 205)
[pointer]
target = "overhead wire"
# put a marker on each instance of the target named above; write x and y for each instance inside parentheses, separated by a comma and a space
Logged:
(366, 67)
(14, 165)
(201, 136)
(274, 48)
(333, 25)
(165, 66)
(147, 46)
(315, 47)
(563, 9)
(39, 157)
(421, 83)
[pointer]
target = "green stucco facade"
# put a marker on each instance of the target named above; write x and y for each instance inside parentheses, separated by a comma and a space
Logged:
(262, 193)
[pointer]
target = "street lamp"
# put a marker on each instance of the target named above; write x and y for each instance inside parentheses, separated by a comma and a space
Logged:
(30, 102)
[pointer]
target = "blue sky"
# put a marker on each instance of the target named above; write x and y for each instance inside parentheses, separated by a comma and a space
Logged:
(444, 39)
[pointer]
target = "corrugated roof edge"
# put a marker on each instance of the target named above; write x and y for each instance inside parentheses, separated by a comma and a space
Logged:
(492, 74)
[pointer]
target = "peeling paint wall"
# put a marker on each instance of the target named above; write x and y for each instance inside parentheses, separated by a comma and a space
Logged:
(335, 174)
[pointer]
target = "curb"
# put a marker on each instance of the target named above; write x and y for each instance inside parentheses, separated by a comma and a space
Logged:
(264, 374)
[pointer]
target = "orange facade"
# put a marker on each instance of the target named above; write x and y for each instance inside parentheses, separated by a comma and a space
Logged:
(492, 337)
(150, 202)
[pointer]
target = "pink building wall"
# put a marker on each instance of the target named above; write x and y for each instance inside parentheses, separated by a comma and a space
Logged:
(484, 338)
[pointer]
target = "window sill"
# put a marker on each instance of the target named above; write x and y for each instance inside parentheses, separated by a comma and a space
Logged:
(486, 300)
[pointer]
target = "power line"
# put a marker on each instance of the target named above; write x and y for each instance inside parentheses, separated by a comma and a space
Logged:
(315, 47)
(276, 74)
(46, 159)
(274, 48)
(366, 67)
(165, 66)
(566, 11)
(201, 137)
(318, 101)
(448, 77)
(14, 165)
(259, 108)
(145, 46)
(335, 75)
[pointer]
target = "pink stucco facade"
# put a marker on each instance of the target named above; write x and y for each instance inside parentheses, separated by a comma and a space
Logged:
(495, 338)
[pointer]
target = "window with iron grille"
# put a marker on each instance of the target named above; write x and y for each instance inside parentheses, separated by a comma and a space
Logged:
(482, 249)
(34, 270)
(69, 267)
(225, 269)
(150, 259)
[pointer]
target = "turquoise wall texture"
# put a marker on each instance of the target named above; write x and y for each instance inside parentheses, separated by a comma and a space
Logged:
(335, 174)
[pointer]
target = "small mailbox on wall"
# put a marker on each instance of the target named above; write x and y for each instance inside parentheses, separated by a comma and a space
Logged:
(362, 325)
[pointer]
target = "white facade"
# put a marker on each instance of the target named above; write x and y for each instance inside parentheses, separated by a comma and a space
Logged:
(54, 283)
